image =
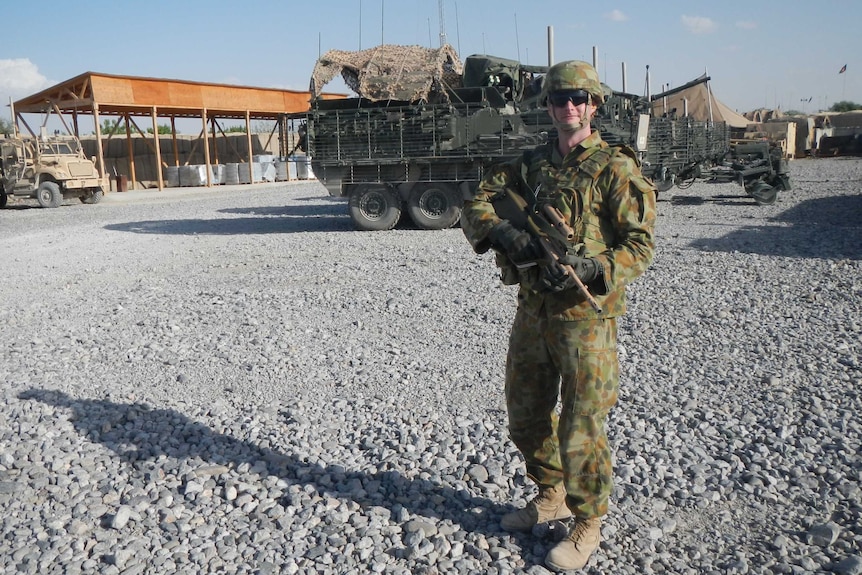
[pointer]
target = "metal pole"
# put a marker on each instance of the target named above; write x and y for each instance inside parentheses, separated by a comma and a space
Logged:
(550, 46)
(647, 89)
(14, 119)
(442, 23)
(708, 95)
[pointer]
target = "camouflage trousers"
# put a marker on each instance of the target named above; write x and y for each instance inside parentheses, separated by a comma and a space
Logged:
(573, 364)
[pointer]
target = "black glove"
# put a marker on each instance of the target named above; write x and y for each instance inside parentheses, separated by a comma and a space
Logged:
(520, 247)
(555, 279)
(587, 269)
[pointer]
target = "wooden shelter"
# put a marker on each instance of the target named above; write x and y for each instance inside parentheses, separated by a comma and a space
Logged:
(130, 98)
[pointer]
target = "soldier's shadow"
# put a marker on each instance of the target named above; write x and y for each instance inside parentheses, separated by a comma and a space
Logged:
(142, 435)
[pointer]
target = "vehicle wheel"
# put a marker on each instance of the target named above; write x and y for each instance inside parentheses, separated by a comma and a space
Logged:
(763, 193)
(663, 185)
(93, 196)
(374, 207)
(433, 206)
(3, 199)
(49, 195)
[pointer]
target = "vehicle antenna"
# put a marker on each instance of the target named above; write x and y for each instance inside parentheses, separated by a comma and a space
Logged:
(457, 28)
(517, 40)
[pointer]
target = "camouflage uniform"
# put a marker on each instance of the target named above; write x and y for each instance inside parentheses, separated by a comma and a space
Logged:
(559, 346)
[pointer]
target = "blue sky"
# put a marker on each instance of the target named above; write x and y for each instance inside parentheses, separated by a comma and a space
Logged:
(759, 53)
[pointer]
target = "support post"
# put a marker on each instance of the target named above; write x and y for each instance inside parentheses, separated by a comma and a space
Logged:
(158, 148)
(215, 140)
(130, 146)
(250, 150)
(174, 140)
(99, 150)
(206, 135)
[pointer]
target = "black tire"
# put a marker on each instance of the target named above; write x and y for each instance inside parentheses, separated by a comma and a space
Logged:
(49, 195)
(93, 196)
(374, 207)
(663, 185)
(763, 193)
(434, 206)
(3, 199)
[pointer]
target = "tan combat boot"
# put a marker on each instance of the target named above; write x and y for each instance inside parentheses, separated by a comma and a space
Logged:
(574, 551)
(548, 505)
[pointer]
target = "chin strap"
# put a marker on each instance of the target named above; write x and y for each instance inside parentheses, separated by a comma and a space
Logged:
(567, 127)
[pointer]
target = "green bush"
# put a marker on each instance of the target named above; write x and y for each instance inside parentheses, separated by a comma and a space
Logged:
(6, 127)
(845, 106)
(163, 129)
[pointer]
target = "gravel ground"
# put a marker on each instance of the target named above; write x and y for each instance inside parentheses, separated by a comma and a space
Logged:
(235, 381)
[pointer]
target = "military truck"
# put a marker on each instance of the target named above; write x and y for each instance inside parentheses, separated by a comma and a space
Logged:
(425, 127)
(49, 169)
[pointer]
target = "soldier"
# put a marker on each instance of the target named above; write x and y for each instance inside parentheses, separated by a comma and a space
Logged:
(560, 346)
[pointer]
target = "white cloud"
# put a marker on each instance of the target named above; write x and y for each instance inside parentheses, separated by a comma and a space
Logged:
(19, 78)
(698, 24)
(746, 25)
(616, 16)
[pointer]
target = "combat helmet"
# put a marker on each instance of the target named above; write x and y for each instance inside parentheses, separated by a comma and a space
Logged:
(573, 75)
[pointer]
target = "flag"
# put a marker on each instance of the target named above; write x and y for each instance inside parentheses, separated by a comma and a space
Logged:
(843, 69)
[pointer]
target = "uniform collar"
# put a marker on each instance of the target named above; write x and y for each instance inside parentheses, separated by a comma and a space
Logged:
(578, 153)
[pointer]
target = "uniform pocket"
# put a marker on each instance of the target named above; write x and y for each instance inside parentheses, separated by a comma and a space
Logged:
(596, 382)
(508, 272)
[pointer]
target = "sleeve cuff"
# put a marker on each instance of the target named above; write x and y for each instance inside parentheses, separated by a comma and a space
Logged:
(601, 285)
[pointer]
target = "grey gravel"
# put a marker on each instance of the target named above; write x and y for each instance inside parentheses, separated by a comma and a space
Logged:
(234, 380)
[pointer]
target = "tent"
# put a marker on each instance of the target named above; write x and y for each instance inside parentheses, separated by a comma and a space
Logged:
(700, 102)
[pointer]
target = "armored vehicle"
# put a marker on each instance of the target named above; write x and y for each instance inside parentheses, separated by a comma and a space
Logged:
(49, 169)
(425, 127)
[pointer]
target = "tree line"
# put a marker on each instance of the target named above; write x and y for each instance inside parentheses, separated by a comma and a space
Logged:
(115, 127)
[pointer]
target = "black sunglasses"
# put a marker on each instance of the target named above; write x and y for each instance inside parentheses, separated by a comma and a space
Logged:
(576, 97)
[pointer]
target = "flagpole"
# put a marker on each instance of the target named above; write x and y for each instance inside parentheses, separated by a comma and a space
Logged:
(843, 70)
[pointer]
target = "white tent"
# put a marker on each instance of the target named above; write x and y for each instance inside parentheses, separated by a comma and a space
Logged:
(700, 103)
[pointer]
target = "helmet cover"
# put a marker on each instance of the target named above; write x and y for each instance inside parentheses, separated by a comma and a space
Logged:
(573, 75)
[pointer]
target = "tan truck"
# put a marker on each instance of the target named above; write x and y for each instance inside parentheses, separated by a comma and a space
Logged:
(49, 169)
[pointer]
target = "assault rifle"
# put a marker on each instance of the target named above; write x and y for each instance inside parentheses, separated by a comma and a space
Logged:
(549, 227)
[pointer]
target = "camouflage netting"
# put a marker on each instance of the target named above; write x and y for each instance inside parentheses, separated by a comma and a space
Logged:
(391, 72)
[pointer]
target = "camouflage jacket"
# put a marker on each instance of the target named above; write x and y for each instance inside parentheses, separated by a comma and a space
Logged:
(616, 228)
